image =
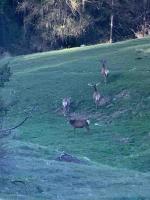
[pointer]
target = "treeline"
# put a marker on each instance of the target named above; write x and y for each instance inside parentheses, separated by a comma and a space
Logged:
(38, 25)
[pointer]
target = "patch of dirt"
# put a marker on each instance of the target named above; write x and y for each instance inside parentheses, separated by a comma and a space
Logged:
(124, 94)
(65, 157)
(104, 101)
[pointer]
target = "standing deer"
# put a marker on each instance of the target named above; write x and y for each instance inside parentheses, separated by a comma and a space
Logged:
(96, 94)
(104, 70)
(66, 105)
(78, 122)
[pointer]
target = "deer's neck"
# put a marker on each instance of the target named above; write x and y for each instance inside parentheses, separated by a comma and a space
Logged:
(95, 89)
(104, 67)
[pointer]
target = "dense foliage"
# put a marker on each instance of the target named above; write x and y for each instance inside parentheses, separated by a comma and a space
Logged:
(38, 25)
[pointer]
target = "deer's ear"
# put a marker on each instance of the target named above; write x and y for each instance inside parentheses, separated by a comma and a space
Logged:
(89, 84)
(97, 83)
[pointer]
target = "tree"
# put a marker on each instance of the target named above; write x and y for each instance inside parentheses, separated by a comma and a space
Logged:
(3, 4)
(111, 21)
(5, 74)
(56, 23)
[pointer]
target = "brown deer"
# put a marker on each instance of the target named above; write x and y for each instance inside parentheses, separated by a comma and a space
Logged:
(66, 105)
(96, 94)
(78, 122)
(104, 70)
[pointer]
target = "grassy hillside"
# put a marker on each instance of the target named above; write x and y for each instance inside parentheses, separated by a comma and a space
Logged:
(120, 131)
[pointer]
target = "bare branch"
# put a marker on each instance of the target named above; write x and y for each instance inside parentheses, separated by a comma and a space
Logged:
(6, 132)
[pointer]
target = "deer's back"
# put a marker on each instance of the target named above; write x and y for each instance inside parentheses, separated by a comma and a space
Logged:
(78, 123)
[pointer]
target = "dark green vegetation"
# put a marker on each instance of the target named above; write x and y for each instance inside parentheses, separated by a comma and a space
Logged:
(11, 36)
(28, 26)
(121, 138)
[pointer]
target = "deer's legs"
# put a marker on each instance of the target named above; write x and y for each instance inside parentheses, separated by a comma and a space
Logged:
(87, 128)
(96, 106)
(105, 79)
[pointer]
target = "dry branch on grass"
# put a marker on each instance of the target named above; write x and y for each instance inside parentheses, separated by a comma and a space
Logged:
(6, 132)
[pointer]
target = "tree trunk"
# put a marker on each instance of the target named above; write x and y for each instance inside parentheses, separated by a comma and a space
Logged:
(111, 22)
(83, 5)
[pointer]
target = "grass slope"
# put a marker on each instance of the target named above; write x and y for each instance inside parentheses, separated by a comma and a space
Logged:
(122, 137)
(27, 173)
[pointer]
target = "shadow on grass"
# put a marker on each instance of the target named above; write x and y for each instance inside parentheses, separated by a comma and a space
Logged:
(114, 77)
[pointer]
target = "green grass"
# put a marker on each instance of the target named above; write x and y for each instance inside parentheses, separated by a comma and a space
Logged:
(122, 139)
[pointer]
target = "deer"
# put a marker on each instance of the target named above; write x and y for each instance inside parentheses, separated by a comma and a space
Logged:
(78, 122)
(104, 70)
(96, 94)
(141, 32)
(66, 102)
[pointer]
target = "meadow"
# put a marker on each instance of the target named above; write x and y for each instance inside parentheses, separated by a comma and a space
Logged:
(116, 151)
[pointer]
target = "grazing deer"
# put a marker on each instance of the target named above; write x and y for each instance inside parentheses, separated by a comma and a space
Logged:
(66, 105)
(96, 94)
(104, 70)
(139, 34)
(78, 122)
